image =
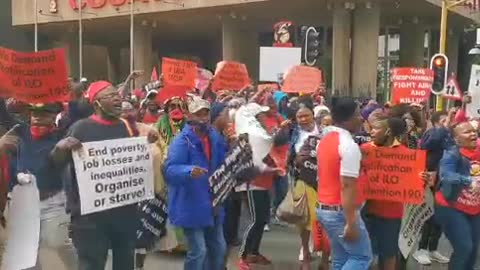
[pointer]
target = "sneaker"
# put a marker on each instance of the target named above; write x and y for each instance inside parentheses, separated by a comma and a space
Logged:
(266, 228)
(258, 259)
(437, 257)
(243, 265)
(422, 257)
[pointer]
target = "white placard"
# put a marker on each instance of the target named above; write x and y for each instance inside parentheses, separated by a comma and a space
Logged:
(23, 228)
(275, 61)
(473, 108)
(113, 173)
(414, 217)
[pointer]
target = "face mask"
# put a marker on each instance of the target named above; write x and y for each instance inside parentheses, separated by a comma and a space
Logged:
(176, 115)
(39, 132)
(410, 124)
(199, 127)
(107, 113)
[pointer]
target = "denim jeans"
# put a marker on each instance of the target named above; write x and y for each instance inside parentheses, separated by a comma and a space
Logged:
(346, 255)
(463, 233)
(94, 234)
(206, 248)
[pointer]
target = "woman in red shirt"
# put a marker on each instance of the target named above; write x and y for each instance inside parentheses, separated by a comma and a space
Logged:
(457, 208)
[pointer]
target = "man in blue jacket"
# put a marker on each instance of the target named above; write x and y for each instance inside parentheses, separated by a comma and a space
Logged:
(192, 157)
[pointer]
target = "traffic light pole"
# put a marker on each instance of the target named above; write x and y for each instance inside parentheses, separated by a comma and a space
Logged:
(446, 5)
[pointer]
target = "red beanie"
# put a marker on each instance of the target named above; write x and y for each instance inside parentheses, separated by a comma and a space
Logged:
(95, 88)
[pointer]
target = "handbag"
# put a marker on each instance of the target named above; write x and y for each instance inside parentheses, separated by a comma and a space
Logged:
(294, 210)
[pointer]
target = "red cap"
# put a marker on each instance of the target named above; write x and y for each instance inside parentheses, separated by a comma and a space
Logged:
(95, 88)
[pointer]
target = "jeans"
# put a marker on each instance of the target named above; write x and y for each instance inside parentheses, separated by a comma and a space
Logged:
(94, 234)
(463, 233)
(346, 255)
(54, 231)
(259, 207)
(206, 248)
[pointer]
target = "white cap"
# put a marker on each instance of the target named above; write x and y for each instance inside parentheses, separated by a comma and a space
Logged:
(255, 109)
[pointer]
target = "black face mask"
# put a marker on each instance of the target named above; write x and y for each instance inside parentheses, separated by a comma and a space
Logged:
(198, 126)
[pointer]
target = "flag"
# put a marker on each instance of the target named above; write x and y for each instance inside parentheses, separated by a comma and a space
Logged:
(154, 76)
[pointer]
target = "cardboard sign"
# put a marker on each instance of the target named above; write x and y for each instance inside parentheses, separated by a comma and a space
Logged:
(452, 89)
(179, 72)
(153, 221)
(394, 174)
(39, 77)
(238, 160)
(414, 216)
(204, 76)
(113, 173)
(274, 62)
(302, 79)
(473, 108)
(230, 76)
(411, 85)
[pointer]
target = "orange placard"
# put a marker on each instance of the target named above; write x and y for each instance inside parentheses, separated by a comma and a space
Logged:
(230, 76)
(302, 79)
(393, 174)
(179, 72)
(37, 77)
(267, 86)
(411, 85)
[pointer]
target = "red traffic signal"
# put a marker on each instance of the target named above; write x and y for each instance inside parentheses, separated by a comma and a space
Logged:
(439, 65)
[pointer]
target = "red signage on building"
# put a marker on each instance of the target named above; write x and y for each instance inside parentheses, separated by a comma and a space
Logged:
(411, 85)
(102, 3)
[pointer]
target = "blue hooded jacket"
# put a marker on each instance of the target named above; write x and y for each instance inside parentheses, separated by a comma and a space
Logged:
(190, 200)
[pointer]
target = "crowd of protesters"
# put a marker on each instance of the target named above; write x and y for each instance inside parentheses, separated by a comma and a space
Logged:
(191, 136)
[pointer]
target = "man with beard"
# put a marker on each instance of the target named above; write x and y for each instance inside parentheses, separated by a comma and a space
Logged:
(94, 234)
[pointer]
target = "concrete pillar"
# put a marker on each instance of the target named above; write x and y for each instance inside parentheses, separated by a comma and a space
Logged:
(114, 65)
(366, 27)
(142, 52)
(453, 47)
(341, 50)
(412, 41)
(241, 45)
(71, 46)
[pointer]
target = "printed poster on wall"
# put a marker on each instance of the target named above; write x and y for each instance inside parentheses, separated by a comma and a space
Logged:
(275, 61)
(473, 108)
(411, 85)
(34, 77)
(113, 173)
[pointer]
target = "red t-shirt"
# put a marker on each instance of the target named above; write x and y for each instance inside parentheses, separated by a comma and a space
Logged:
(206, 146)
(469, 199)
(337, 155)
(384, 209)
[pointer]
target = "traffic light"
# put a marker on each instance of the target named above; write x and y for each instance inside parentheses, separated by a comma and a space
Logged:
(439, 65)
(311, 46)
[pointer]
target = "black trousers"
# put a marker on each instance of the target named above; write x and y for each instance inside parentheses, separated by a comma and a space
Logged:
(259, 207)
(431, 233)
(233, 211)
(93, 235)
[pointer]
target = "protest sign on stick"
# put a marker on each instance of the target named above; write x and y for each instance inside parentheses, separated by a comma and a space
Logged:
(302, 79)
(238, 160)
(411, 85)
(394, 174)
(230, 76)
(37, 77)
(113, 173)
(414, 216)
(179, 72)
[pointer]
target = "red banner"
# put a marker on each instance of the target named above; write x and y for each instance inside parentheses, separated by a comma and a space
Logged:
(411, 85)
(230, 76)
(39, 77)
(302, 79)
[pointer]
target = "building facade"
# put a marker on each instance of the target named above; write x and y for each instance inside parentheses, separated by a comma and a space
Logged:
(361, 39)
